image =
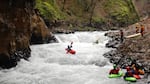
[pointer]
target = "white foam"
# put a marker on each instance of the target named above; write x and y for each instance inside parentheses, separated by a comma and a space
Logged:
(49, 63)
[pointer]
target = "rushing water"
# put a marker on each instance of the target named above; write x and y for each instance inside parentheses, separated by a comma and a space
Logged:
(49, 63)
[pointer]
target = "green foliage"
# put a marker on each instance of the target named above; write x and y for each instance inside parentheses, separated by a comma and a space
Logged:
(121, 15)
(86, 29)
(49, 9)
(98, 20)
(121, 11)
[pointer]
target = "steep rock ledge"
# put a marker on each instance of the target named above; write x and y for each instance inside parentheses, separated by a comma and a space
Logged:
(20, 25)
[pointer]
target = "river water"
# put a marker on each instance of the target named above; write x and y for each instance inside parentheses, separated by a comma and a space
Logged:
(49, 63)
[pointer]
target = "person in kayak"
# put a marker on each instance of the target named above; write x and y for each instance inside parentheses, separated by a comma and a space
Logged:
(137, 69)
(115, 70)
(129, 72)
(134, 69)
(69, 47)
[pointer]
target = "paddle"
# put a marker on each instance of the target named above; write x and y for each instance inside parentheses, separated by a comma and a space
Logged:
(117, 63)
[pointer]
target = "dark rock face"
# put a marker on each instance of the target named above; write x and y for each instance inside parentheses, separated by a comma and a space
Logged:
(115, 39)
(15, 30)
(20, 25)
(40, 33)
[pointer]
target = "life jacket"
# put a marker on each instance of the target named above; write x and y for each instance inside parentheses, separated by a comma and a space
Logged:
(114, 71)
(129, 74)
(134, 71)
(142, 29)
(141, 72)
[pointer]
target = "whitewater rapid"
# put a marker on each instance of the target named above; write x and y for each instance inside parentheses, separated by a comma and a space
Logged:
(49, 63)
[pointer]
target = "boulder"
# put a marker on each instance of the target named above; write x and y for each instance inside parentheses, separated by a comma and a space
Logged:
(20, 25)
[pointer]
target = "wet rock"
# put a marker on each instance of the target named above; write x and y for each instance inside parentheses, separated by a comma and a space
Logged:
(40, 32)
(113, 44)
(115, 39)
(129, 49)
(112, 34)
(62, 31)
(52, 39)
(20, 25)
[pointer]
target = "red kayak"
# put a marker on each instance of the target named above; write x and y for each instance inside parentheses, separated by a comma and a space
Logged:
(71, 51)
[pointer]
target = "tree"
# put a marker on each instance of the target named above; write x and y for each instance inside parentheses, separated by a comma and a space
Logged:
(93, 5)
(64, 2)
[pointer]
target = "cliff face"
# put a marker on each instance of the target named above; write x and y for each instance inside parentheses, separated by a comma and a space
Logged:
(18, 24)
(100, 14)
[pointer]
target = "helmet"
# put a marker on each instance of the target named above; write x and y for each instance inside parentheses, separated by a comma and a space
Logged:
(128, 68)
(114, 66)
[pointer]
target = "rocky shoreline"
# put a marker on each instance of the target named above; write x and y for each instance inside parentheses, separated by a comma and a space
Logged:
(122, 56)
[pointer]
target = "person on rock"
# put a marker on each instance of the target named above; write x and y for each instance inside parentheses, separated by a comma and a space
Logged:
(142, 30)
(137, 28)
(121, 35)
(115, 70)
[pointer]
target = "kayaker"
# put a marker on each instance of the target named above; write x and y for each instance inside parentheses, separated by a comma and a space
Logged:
(137, 68)
(134, 69)
(129, 72)
(69, 47)
(115, 70)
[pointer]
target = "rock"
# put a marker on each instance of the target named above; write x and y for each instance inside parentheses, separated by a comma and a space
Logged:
(20, 25)
(113, 44)
(128, 49)
(40, 32)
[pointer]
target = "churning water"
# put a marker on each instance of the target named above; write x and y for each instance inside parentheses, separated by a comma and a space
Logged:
(49, 63)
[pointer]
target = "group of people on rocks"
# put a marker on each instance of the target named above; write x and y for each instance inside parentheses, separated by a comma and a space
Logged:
(139, 29)
(131, 70)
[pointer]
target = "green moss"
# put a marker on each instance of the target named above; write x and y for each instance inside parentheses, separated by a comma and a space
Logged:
(98, 20)
(49, 10)
(121, 11)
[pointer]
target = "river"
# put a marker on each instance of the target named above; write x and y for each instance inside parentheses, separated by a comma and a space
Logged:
(49, 63)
